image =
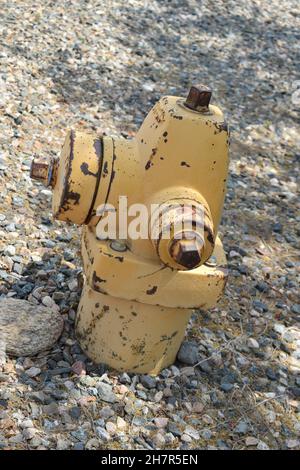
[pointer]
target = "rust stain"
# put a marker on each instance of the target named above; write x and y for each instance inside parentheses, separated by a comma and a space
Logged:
(85, 170)
(105, 170)
(98, 146)
(152, 290)
(221, 127)
(210, 235)
(112, 176)
(68, 195)
(150, 161)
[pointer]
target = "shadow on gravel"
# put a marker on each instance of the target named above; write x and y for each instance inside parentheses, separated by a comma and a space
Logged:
(236, 75)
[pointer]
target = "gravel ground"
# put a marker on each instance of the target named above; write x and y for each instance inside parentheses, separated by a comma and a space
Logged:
(101, 65)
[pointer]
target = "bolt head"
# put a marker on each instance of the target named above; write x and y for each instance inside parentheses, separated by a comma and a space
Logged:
(198, 98)
(117, 245)
(187, 253)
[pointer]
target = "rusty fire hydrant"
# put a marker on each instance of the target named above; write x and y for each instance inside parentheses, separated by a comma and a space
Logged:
(139, 292)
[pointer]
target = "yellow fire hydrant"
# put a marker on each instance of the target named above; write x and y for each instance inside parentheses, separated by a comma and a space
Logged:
(145, 275)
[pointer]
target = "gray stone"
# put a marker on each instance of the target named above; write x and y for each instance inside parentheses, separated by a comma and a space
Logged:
(172, 428)
(105, 392)
(252, 343)
(186, 438)
(79, 434)
(106, 412)
(141, 394)
(192, 432)
(159, 441)
(102, 434)
(51, 409)
(251, 441)
(75, 412)
(88, 381)
(241, 428)
(18, 268)
(68, 255)
(111, 427)
(188, 353)
(125, 379)
(78, 446)
(40, 397)
(271, 374)
(27, 423)
(296, 309)
(33, 371)
(92, 444)
(26, 329)
(161, 422)
(62, 444)
(147, 381)
(206, 434)
(10, 250)
(29, 433)
(260, 306)
(226, 387)
(35, 442)
(16, 439)
(295, 391)
(262, 446)
(48, 302)
(205, 367)
(3, 377)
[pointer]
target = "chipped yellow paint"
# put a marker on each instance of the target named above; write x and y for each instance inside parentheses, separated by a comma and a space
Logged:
(129, 336)
(135, 304)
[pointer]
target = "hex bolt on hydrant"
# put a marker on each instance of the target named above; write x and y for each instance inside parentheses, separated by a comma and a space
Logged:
(138, 294)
